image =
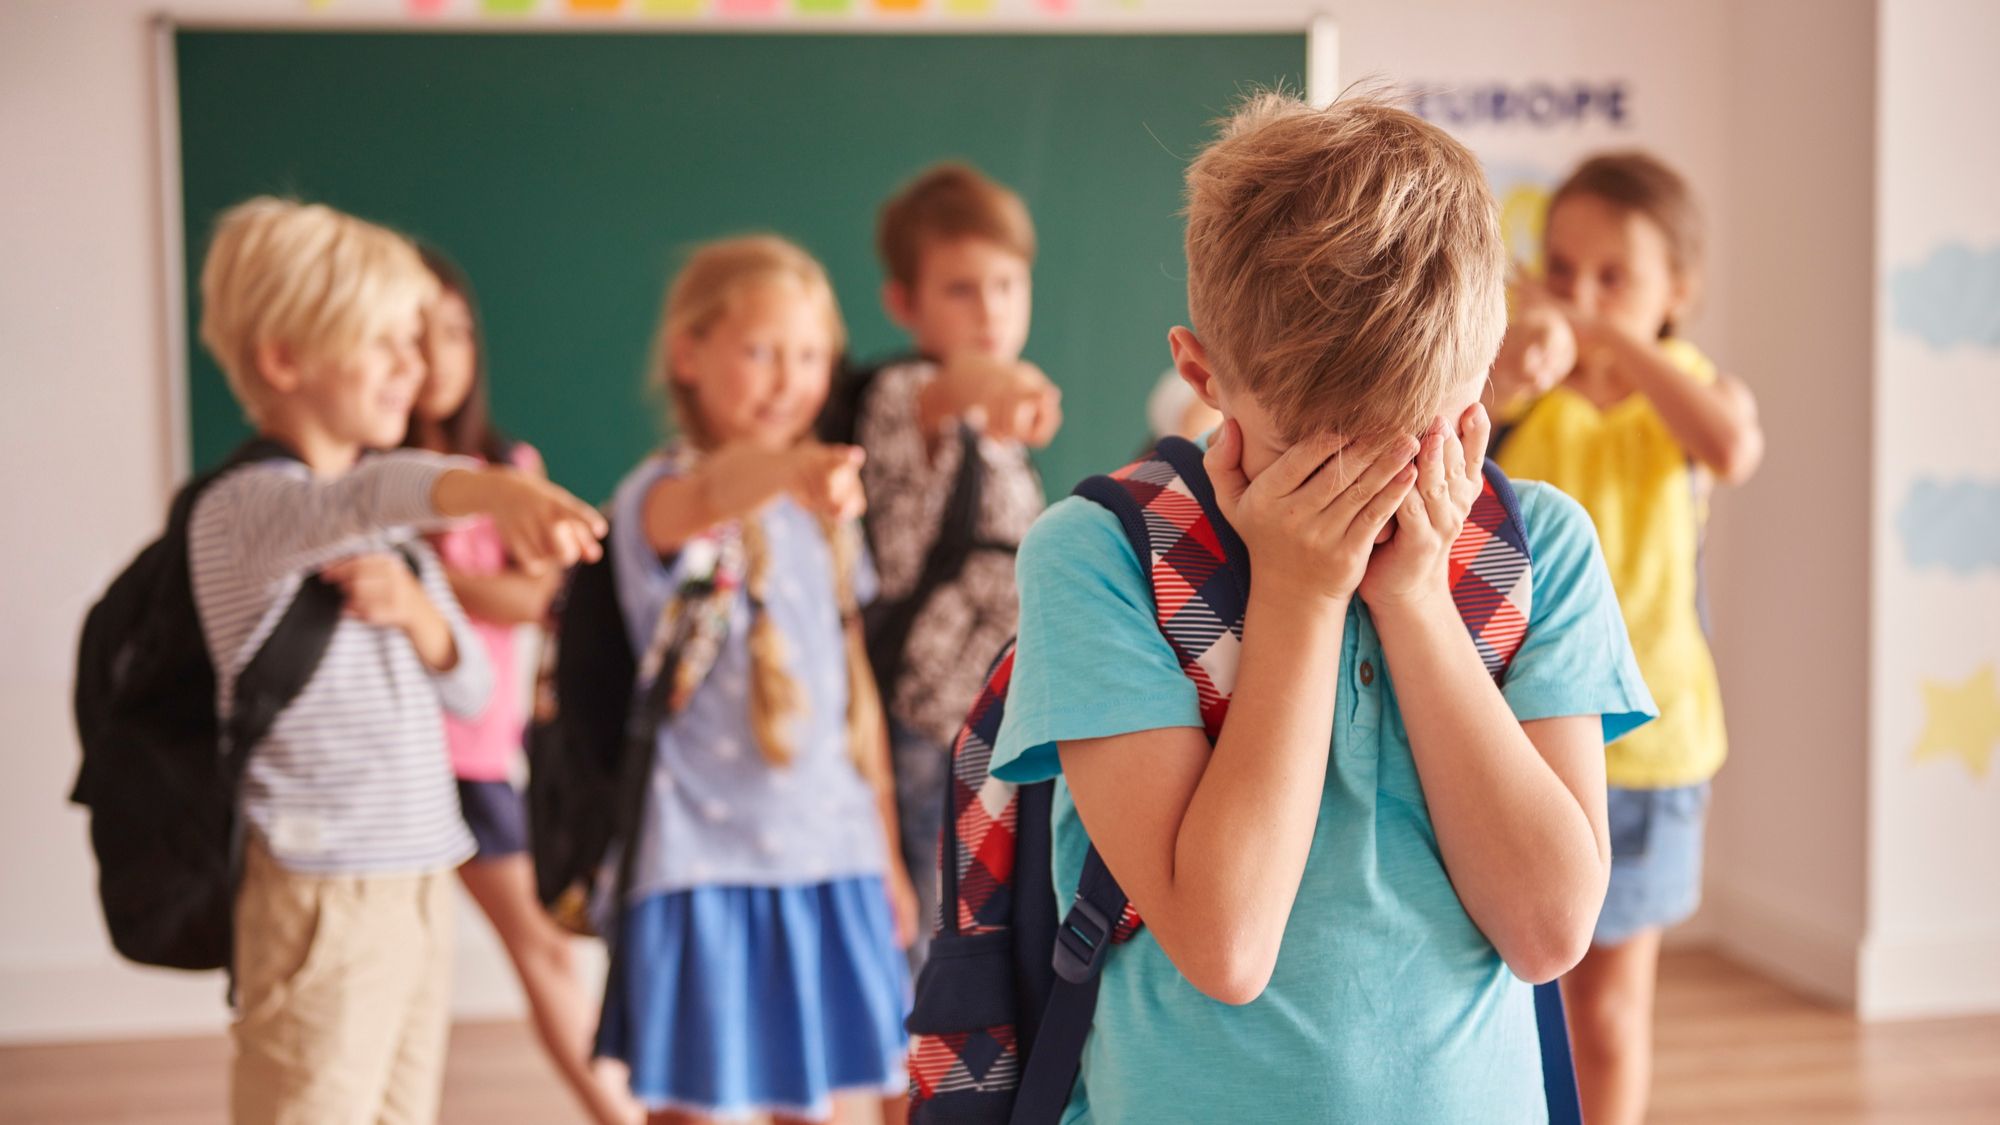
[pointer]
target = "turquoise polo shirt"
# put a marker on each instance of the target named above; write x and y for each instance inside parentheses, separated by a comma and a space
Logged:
(1387, 1004)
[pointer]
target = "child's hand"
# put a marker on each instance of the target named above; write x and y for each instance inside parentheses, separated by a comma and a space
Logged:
(1588, 332)
(1007, 400)
(542, 526)
(381, 590)
(1538, 352)
(1414, 563)
(903, 908)
(826, 480)
(1311, 518)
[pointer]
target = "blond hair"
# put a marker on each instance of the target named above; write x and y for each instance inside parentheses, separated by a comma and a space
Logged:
(1345, 264)
(303, 276)
(714, 275)
(950, 201)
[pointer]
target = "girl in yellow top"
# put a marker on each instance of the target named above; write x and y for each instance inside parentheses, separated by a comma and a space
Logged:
(1608, 404)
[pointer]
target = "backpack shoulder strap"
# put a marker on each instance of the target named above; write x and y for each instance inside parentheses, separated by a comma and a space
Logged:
(1491, 572)
(282, 666)
(1197, 565)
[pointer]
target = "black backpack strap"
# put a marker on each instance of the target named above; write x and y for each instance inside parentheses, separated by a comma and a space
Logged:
(1083, 939)
(281, 667)
(888, 623)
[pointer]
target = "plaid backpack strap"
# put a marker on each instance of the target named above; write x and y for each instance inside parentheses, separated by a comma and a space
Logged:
(1200, 575)
(1198, 566)
(975, 893)
(1490, 572)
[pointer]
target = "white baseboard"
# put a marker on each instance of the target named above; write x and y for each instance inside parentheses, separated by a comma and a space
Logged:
(107, 999)
(1698, 932)
(1908, 976)
(103, 998)
(1805, 955)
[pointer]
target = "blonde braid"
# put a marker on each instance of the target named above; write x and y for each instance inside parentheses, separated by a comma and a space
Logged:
(866, 727)
(775, 697)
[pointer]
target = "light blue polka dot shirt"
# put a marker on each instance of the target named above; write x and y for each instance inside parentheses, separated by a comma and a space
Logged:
(717, 813)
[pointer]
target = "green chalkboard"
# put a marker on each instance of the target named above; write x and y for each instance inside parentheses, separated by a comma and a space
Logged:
(568, 172)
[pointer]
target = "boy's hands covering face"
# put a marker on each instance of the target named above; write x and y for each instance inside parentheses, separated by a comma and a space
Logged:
(1414, 563)
(1310, 520)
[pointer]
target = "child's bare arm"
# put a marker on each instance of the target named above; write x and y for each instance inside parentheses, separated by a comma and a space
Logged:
(542, 526)
(737, 480)
(1518, 808)
(508, 598)
(896, 876)
(1538, 352)
(382, 591)
(1715, 422)
(1006, 400)
(1211, 845)
(514, 596)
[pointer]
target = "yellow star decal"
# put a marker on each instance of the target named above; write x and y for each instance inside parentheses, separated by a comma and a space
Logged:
(1964, 721)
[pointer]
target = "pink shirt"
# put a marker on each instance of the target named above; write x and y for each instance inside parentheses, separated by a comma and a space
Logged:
(483, 748)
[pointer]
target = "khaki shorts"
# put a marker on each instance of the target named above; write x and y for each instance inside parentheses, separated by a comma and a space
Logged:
(343, 990)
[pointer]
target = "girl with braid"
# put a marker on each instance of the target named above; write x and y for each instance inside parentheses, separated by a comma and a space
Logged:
(760, 968)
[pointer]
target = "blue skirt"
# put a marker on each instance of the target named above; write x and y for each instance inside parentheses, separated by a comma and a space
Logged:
(740, 1000)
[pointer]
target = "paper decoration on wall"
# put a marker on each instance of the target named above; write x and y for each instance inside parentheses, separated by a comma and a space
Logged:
(727, 9)
(1950, 298)
(1531, 105)
(1951, 524)
(1524, 188)
(1962, 721)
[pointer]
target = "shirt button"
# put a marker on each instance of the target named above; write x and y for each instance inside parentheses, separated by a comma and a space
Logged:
(1367, 672)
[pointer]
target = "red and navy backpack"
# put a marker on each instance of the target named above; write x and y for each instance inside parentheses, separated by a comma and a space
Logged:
(1005, 1001)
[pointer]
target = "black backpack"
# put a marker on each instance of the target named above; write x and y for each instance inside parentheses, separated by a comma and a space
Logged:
(160, 772)
(577, 740)
(591, 738)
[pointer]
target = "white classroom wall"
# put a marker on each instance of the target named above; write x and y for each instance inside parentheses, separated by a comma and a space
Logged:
(1787, 872)
(1719, 88)
(1933, 942)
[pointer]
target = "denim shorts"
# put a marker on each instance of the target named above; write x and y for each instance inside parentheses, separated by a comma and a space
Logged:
(1656, 839)
(497, 814)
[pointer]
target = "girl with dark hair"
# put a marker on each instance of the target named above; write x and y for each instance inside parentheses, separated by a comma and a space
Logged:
(451, 415)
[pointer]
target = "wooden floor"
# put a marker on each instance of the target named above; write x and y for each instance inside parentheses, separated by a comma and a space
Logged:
(1733, 1050)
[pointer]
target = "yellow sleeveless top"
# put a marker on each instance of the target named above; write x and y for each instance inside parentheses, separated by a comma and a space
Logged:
(1643, 491)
